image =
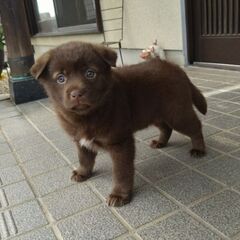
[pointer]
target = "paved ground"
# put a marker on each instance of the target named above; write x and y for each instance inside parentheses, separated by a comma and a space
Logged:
(176, 197)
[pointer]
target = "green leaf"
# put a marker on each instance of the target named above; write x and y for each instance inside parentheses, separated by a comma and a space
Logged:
(2, 39)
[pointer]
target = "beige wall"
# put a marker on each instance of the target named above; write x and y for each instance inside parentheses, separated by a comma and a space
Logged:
(144, 21)
(42, 44)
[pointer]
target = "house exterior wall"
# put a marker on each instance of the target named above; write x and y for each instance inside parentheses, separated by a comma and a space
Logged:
(152, 19)
(143, 22)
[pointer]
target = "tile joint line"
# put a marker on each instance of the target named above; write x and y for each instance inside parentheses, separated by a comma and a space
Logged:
(222, 90)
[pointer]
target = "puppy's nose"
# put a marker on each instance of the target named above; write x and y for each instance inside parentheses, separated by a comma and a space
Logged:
(75, 94)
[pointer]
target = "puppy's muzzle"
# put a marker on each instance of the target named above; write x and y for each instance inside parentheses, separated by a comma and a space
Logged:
(76, 94)
(77, 99)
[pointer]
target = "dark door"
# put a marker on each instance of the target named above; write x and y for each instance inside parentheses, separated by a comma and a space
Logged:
(215, 26)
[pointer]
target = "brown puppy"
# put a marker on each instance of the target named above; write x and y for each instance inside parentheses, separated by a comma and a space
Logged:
(101, 107)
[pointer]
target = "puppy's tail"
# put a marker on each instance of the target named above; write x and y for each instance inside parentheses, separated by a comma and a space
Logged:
(198, 99)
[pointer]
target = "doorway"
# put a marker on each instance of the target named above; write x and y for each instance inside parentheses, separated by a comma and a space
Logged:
(213, 28)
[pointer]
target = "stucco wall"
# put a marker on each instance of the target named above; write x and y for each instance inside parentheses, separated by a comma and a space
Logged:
(144, 21)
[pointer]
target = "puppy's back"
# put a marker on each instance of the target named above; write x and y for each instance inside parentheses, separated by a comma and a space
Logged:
(155, 81)
(156, 87)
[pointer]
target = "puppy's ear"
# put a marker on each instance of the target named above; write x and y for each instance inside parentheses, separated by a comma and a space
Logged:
(40, 65)
(108, 55)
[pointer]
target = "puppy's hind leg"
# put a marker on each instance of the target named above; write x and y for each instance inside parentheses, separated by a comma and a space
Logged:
(86, 160)
(198, 145)
(190, 125)
(165, 134)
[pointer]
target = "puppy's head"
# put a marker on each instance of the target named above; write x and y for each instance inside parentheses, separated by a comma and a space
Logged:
(76, 75)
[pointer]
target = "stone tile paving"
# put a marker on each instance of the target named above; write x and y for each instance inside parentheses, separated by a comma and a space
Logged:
(188, 186)
(221, 211)
(178, 226)
(40, 234)
(98, 223)
(68, 201)
(51, 181)
(175, 196)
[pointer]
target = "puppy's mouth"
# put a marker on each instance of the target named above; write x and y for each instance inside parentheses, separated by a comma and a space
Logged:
(81, 106)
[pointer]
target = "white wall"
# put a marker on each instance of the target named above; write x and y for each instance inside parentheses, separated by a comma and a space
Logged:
(145, 21)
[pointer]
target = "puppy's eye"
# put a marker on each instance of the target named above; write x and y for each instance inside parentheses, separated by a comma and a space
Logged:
(61, 79)
(90, 74)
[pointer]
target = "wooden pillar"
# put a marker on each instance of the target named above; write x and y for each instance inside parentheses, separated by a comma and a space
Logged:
(23, 87)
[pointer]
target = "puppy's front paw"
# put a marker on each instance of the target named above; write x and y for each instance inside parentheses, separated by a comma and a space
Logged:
(115, 200)
(78, 177)
(197, 153)
(157, 144)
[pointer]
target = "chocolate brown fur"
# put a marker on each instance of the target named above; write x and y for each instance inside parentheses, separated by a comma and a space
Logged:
(109, 104)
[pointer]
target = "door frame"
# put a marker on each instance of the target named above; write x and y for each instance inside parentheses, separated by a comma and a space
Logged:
(187, 31)
(186, 40)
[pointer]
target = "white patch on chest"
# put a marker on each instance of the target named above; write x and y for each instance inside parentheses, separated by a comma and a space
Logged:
(89, 144)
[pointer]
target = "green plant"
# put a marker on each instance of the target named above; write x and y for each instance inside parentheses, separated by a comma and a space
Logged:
(2, 39)
(2, 43)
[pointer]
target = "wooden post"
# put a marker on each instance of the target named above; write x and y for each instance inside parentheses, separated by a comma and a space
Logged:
(23, 87)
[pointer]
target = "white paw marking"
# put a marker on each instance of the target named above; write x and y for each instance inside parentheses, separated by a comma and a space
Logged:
(89, 144)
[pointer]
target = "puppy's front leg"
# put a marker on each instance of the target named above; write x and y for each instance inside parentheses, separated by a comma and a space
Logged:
(123, 172)
(86, 159)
